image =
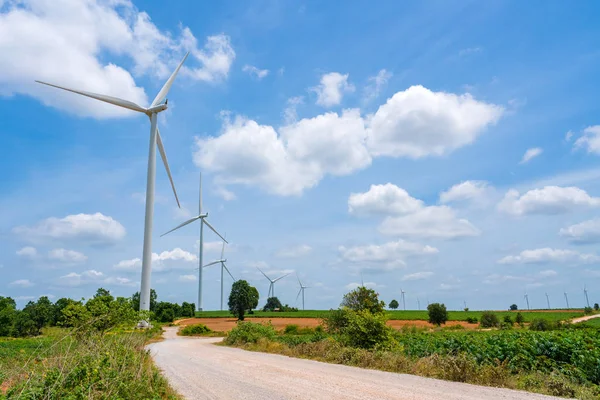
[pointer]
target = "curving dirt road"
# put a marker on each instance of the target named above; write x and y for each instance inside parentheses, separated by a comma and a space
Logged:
(198, 369)
(583, 319)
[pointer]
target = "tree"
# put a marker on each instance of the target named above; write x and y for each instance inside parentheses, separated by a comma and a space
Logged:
(135, 300)
(596, 306)
(393, 304)
(488, 320)
(59, 306)
(513, 307)
(8, 311)
(438, 314)
(519, 319)
(254, 296)
(362, 298)
(40, 312)
(273, 303)
(187, 309)
(240, 299)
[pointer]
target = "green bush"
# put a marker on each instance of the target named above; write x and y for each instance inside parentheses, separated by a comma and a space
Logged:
(437, 314)
(519, 319)
(197, 329)
(508, 320)
(336, 320)
(489, 320)
(596, 307)
(588, 310)
(249, 332)
(366, 330)
(273, 303)
(472, 320)
(362, 298)
(291, 329)
(540, 324)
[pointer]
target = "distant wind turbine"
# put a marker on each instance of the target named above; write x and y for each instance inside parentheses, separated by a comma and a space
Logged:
(203, 221)
(302, 287)
(221, 261)
(272, 282)
(548, 300)
(567, 300)
(403, 301)
(465, 303)
(155, 140)
(586, 296)
(527, 300)
(418, 303)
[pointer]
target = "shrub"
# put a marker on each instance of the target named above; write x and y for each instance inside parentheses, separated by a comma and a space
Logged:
(437, 313)
(596, 307)
(394, 304)
(540, 324)
(272, 304)
(488, 320)
(291, 329)
(472, 320)
(336, 320)
(519, 319)
(366, 330)
(249, 332)
(587, 310)
(513, 307)
(508, 320)
(361, 299)
(197, 329)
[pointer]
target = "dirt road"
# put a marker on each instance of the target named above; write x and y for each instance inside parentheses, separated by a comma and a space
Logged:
(198, 369)
(586, 318)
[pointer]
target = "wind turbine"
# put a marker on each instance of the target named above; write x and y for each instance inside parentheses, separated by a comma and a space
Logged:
(465, 303)
(527, 300)
(155, 140)
(403, 302)
(567, 300)
(221, 261)
(302, 287)
(548, 300)
(272, 283)
(418, 303)
(203, 221)
(586, 296)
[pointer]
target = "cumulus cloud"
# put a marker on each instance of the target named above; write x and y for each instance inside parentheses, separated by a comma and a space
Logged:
(332, 88)
(255, 72)
(294, 251)
(67, 256)
(187, 278)
(383, 200)
(93, 277)
(418, 122)
(583, 233)
(590, 140)
(27, 252)
(50, 34)
(547, 273)
(549, 255)
(385, 257)
(417, 276)
(22, 283)
(91, 228)
(160, 262)
(376, 84)
(531, 153)
(467, 190)
(548, 200)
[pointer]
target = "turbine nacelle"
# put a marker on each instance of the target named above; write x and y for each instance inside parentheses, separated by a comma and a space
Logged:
(156, 109)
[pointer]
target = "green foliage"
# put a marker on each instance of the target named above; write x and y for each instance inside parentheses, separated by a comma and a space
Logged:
(437, 314)
(249, 332)
(394, 304)
(361, 299)
(336, 320)
(291, 329)
(254, 297)
(588, 310)
(513, 307)
(519, 319)
(596, 307)
(192, 330)
(240, 299)
(273, 303)
(366, 330)
(472, 320)
(187, 309)
(540, 324)
(489, 320)
(135, 300)
(466, 309)
(508, 320)
(7, 315)
(23, 325)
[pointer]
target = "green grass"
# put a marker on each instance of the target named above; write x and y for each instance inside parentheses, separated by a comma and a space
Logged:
(412, 315)
(595, 323)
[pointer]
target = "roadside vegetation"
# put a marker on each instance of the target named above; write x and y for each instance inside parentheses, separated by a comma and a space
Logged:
(536, 354)
(79, 350)
(198, 330)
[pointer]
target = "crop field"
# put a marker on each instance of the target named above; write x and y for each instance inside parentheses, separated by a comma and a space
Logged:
(410, 315)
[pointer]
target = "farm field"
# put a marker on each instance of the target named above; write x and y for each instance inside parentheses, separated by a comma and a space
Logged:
(409, 315)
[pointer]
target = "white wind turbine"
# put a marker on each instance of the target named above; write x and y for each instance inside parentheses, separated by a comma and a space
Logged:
(586, 296)
(221, 261)
(526, 297)
(155, 140)
(302, 287)
(203, 221)
(272, 282)
(548, 300)
(567, 300)
(403, 302)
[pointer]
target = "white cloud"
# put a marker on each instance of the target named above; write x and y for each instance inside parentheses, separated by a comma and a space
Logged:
(383, 199)
(332, 88)
(548, 200)
(225, 194)
(417, 276)
(27, 252)
(497, 278)
(549, 255)
(67, 256)
(583, 233)
(22, 283)
(73, 38)
(354, 285)
(548, 273)
(568, 136)
(290, 113)
(120, 281)
(590, 140)
(24, 298)
(159, 261)
(294, 252)
(531, 153)
(418, 122)
(429, 222)
(256, 72)
(93, 228)
(187, 278)
(376, 84)
(387, 256)
(467, 190)
(92, 276)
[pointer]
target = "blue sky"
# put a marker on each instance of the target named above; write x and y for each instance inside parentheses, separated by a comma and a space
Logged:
(450, 150)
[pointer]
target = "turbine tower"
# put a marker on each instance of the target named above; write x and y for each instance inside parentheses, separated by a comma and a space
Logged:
(418, 303)
(586, 296)
(465, 303)
(302, 287)
(527, 300)
(155, 140)
(203, 221)
(403, 302)
(548, 300)
(567, 300)
(221, 261)
(272, 283)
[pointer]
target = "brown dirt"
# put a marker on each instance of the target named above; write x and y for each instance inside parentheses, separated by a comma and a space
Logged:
(226, 324)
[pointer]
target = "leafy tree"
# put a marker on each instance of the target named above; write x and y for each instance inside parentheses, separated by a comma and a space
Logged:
(438, 314)
(187, 309)
(40, 312)
(394, 304)
(8, 311)
(272, 304)
(135, 300)
(59, 306)
(508, 320)
(240, 299)
(101, 292)
(254, 296)
(513, 307)
(587, 310)
(167, 312)
(596, 307)
(24, 326)
(488, 320)
(519, 319)
(362, 298)
(466, 309)
(366, 330)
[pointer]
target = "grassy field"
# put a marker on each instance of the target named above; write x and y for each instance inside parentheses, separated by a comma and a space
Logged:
(410, 315)
(593, 323)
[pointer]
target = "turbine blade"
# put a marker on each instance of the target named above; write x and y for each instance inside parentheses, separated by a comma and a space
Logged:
(167, 86)
(298, 279)
(189, 221)
(281, 277)
(163, 155)
(107, 99)
(214, 230)
(298, 294)
(223, 249)
(227, 269)
(264, 274)
(211, 263)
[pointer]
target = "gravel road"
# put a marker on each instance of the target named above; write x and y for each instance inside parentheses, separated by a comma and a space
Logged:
(198, 369)
(586, 318)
